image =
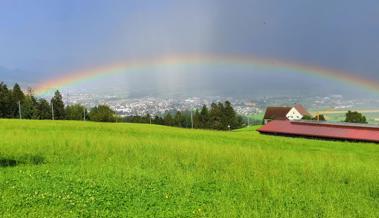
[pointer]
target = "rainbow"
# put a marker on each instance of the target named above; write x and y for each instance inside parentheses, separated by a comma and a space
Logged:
(166, 62)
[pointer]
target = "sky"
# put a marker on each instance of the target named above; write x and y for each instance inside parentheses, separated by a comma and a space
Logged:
(45, 39)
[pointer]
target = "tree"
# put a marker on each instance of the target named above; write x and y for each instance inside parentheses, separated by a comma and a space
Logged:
(102, 113)
(158, 120)
(240, 122)
(355, 117)
(75, 112)
(18, 94)
(215, 117)
(58, 105)
(224, 117)
(196, 119)
(147, 118)
(29, 108)
(319, 117)
(307, 117)
(43, 109)
(179, 120)
(204, 118)
(230, 116)
(7, 104)
(168, 120)
(18, 97)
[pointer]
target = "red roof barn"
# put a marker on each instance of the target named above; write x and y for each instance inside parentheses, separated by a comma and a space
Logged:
(342, 131)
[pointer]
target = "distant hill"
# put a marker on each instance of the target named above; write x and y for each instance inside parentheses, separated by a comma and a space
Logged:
(11, 76)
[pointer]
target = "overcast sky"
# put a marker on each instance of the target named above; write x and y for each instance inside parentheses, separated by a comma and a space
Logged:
(50, 37)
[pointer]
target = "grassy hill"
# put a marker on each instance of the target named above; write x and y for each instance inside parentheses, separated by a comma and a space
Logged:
(95, 169)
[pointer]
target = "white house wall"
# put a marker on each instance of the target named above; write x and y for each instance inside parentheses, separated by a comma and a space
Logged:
(293, 114)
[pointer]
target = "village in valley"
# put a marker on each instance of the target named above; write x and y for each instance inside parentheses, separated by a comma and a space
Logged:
(333, 106)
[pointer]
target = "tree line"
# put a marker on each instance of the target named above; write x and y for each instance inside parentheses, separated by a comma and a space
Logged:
(14, 103)
(220, 116)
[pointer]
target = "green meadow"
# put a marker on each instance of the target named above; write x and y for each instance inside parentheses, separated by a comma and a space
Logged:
(71, 169)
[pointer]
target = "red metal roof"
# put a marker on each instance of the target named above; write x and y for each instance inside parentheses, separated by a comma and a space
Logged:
(300, 108)
(277, 113)
(323, 130)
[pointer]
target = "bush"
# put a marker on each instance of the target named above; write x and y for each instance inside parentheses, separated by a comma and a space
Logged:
(355, 117)
(75, 112)
(102, 113)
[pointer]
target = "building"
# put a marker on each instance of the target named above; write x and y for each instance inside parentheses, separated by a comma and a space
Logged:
(326, 130)
(297, 112)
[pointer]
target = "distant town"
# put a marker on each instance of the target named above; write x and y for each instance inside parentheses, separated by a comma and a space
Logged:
(126, 106)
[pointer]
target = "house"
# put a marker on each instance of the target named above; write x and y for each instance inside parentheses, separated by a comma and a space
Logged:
(297, 112)
(326, 130)
(276, 113)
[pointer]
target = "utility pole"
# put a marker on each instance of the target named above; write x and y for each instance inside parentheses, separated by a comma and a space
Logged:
(84, 114)
(19, 109)
(150, 119)
(52, 110)
(248, 121)
(191, 119)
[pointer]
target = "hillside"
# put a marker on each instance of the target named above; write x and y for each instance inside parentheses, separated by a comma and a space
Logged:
(98, 169)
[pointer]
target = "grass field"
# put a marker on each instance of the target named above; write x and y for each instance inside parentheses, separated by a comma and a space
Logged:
(88, 169)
